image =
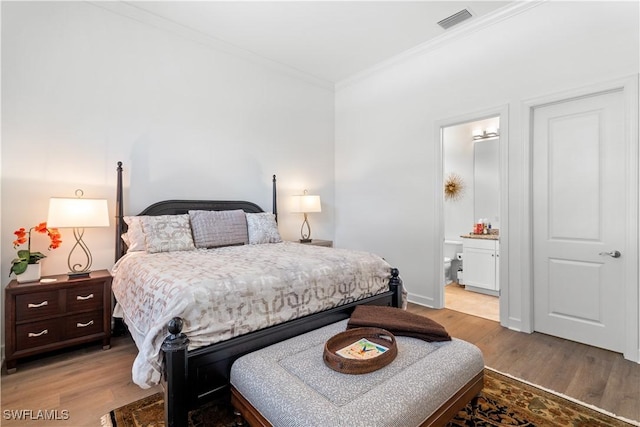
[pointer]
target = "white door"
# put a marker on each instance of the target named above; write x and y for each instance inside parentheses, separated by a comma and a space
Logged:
(579, 207)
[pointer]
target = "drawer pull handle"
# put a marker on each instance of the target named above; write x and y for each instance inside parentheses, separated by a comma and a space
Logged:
(84, 325)
(42, 304)
(39, 334)
(81, 298)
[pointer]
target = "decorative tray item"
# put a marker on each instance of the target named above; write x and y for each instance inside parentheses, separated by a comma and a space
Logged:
(360, 350)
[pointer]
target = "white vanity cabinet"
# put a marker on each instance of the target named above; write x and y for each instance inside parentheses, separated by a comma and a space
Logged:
(481, 261)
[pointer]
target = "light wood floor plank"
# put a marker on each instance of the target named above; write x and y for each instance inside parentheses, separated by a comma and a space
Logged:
(87, 382)
(456, 297)
(621, 373)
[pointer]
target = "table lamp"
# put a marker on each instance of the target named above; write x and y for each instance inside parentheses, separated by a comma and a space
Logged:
(306, 203)
(78, 213)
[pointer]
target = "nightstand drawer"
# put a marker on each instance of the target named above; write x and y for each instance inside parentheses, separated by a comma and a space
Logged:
(37, 334)
(61, 312)
(37, 304)
(88, 297)
(80, 325)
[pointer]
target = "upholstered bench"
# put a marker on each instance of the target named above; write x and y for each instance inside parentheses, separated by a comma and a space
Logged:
(288, 384)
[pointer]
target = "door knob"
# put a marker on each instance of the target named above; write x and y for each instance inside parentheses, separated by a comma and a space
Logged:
(613, 254)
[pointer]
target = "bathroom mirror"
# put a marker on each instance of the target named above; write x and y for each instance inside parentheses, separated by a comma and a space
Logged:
(486, 180)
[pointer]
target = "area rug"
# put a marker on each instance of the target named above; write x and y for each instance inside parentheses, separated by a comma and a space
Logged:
(504, 401)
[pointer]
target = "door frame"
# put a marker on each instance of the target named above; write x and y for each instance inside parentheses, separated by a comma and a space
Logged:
(502, 112)
(629, 88)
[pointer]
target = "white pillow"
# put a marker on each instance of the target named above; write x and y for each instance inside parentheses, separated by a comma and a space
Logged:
(262, 228)
(167, 233)
(135, 234)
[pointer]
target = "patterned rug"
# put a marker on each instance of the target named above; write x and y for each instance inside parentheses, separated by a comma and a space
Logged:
(504, 401)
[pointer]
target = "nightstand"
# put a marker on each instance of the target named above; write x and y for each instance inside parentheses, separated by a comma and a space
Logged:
(318, 242)
(45, 316)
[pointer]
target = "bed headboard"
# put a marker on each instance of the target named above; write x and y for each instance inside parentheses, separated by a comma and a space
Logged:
(177, 207)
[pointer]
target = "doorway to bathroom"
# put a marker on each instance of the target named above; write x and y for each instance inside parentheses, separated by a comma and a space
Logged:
(471, 216)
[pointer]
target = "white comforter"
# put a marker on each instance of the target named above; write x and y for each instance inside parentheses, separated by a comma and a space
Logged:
(225, 292)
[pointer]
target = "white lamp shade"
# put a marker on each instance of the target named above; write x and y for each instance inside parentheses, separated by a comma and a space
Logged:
(306, 203)
(77, 213)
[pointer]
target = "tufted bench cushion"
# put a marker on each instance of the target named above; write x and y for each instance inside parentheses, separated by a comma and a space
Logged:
(288, 384)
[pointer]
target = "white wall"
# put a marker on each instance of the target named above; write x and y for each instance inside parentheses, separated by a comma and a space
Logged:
(83, 88)
(385, 145)
(457, 148)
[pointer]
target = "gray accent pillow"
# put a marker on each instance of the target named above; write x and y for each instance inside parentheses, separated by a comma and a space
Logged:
(167, 233)
(262, 228)
(213, 229)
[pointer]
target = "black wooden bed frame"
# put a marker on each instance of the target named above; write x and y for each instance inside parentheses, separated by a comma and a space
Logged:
(192, 378)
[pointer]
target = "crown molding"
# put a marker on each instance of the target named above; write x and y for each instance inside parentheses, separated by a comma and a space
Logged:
(466, 29)
(131, 11)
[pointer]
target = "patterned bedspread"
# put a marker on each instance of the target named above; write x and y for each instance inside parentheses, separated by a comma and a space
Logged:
(225, 292)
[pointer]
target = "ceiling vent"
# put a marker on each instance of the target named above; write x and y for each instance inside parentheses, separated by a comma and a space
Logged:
(455, 19)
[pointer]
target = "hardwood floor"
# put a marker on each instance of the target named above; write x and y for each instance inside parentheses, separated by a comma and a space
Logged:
(457, 298)
(89, 382)
(592, 375)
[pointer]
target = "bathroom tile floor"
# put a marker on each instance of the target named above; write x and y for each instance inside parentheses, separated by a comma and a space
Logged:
(457, 298)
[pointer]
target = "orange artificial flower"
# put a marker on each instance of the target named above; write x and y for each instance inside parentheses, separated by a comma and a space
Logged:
(55, 237)
(22, 237)
(41, 228)
(25, 256)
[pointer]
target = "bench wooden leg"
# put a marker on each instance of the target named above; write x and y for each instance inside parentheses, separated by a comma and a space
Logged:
(246, 409)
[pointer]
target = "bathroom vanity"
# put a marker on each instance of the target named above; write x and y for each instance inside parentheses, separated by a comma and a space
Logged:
(481, 255)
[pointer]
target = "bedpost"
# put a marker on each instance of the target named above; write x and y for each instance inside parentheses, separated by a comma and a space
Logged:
(119, 213)
(275, 201)
(395, 285)
(118, 327)
(175, 346)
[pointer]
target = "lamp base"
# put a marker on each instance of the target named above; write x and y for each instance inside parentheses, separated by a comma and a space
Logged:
(79, 270)
(78, 275)
(305, 240)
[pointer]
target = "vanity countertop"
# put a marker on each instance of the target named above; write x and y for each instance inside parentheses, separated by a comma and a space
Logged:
(481, 236)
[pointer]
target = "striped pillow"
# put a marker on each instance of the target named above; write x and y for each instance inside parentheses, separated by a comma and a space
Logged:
(213, 229)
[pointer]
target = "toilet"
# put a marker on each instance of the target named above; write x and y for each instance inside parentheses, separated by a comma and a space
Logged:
(451, 250)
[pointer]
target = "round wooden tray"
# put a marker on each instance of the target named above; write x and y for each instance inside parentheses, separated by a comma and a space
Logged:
(359, 366)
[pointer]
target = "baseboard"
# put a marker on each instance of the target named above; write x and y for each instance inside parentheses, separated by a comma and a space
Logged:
(420, 300)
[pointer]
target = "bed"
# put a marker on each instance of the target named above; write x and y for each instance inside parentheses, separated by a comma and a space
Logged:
(193, 311)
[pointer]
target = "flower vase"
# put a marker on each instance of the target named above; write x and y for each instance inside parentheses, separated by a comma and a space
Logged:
(31, 274)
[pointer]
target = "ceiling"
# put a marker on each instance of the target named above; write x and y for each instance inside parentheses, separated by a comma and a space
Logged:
(329, 40)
